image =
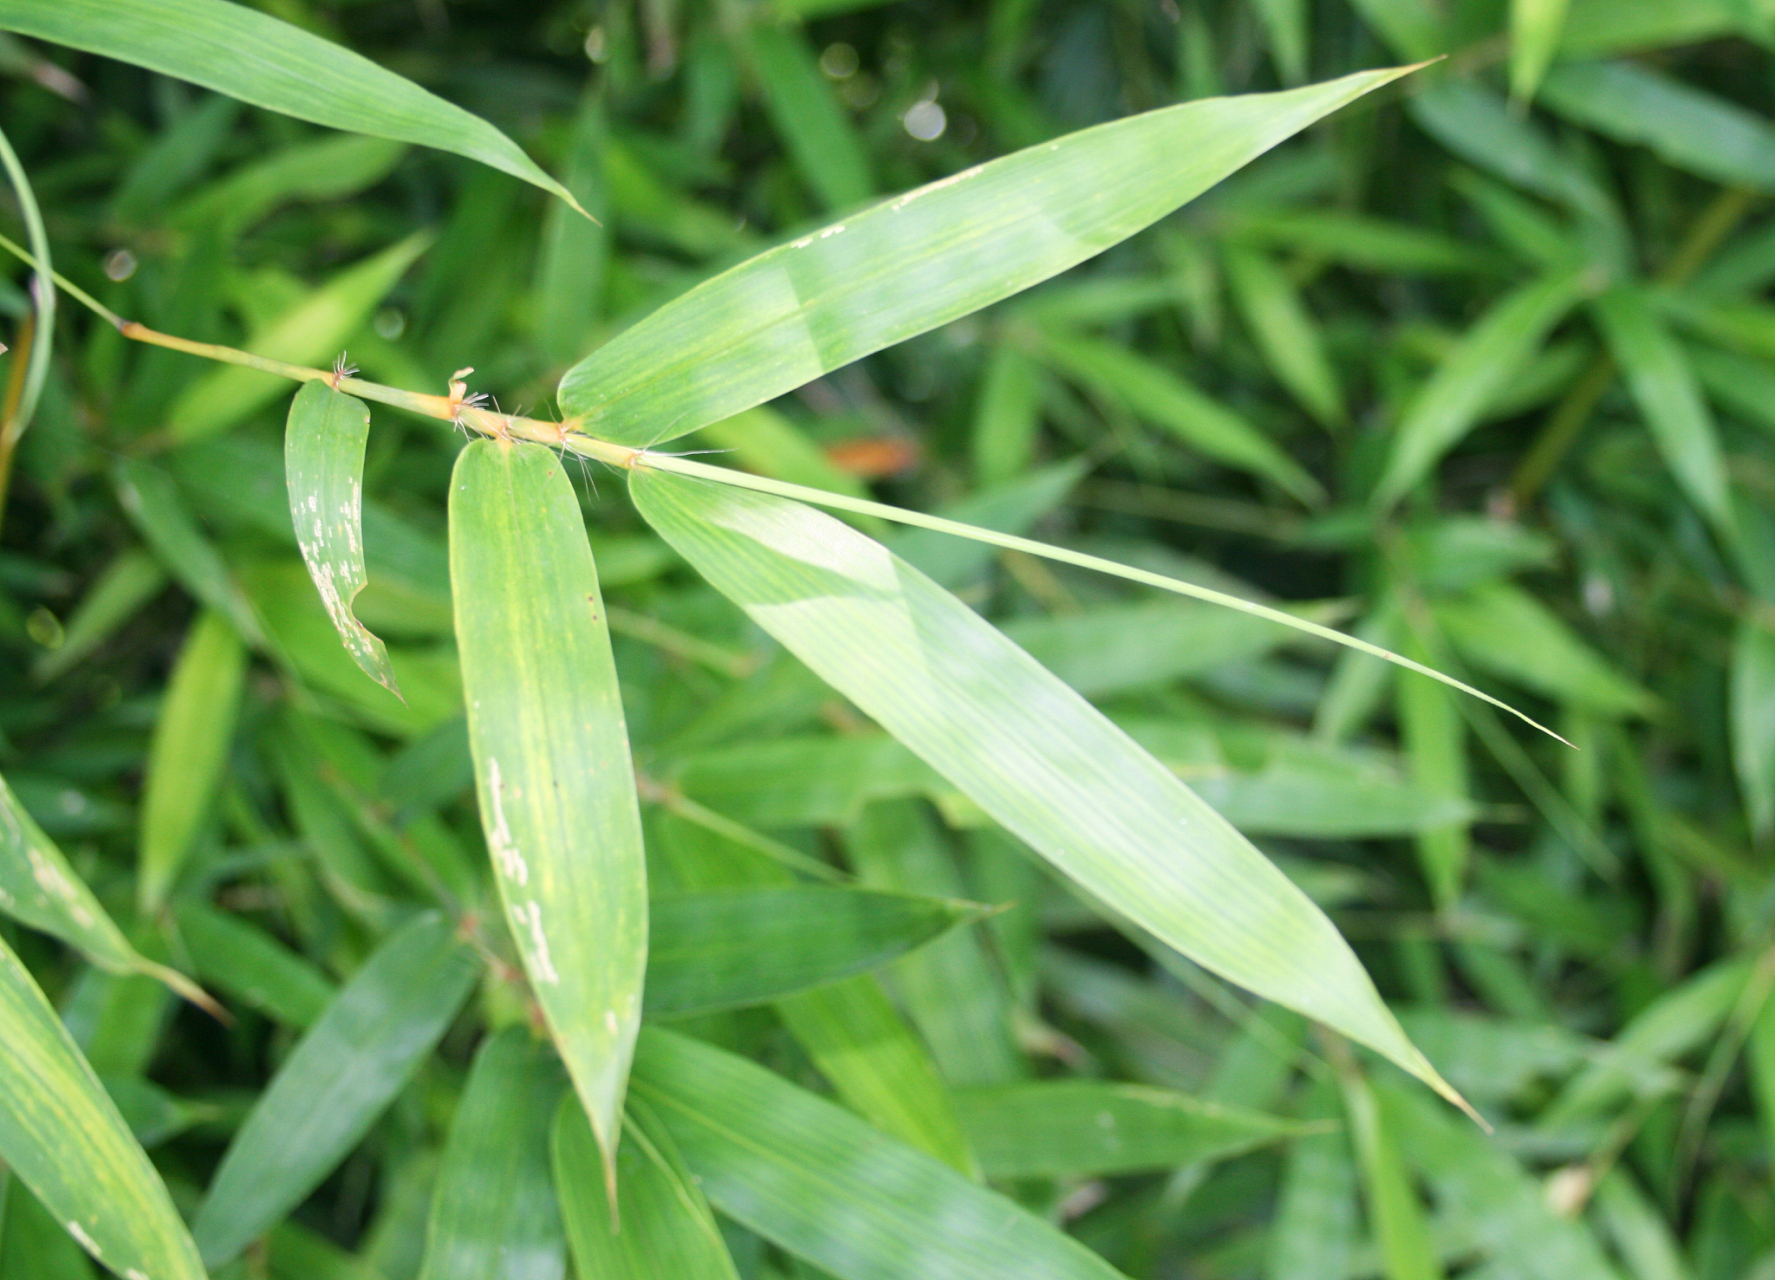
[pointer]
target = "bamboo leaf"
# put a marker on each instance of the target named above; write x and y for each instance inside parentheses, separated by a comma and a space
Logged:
(1053, 1129)
(494, 1214)
(667, 1230)
(824, 1185)
(1024, 747)
(1753, 720)
(553, 769)
(1286, 332)
(814, 128)
(253, 57)
(189, 753)
(126, 584)
(65, 1139)
(324, 468)
(237, 958)
(1161, 396)
(21, 411)
(1664, 387)
(1535, 29)
(1684, 126)
(38, 888)
(920, 260)
(722, 950)
(1488, 356)
(1395, 1214)
(336, 1081)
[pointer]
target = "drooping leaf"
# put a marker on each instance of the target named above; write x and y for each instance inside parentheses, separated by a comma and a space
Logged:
(828, 1187)
(324, 468)
(189, 753)
(63, 1136)
(721, 950)
(1290, 340)
(125, 585)
(1064, 1128)
(343, 1072)
(251, 56)
(1396, 1216)
(553, 769)
(494, 1213)
(665, 1230)
(1024, 747)
(38, 888)
(921, 260)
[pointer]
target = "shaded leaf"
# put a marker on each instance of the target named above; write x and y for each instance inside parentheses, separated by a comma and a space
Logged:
(337, 1080)
(1061, 1128)
(721, 950)
(494, 1213)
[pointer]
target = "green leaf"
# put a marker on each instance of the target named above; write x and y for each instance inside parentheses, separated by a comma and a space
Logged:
(151, 499)
(1487, 357)
(327, 169)
(1315, 1224)
(711, 951)
(189, 752)
(1434, 738)
(21, 411)
(66, 1140)
(237, 958)
(345, 1070)
(1396, 1216)
(1024, 747)
(921, 260)
(819, 136)
(1007, 416)
(38, 888)
(878, 1065)
(1052, 1129)
(1664, 387)
(1535, 30)
(312, 332)
(1753, 720)
(1162, 397)
(1491, 1199)
(1285, 331)
(1504, 629)
(553, 769)
(1685, 127)
(125, 585)
(667, 1231)
(257, 59)
(827, 1187)
(494, 1214)
(324, 468)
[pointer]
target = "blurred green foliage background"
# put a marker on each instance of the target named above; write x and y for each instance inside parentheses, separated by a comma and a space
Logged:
(1508, 319)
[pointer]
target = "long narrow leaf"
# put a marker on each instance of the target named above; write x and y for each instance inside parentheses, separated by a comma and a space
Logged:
(324, 468)
(64, 1137)
(494, 1213)
(1033, 754)
(922, 260)
(666, 1230)
(553, 768)
(38, 888)
(251, 56)
(345, 1070)
(821, 1183)
(721, 950)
